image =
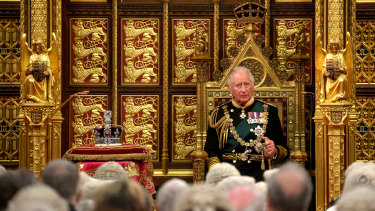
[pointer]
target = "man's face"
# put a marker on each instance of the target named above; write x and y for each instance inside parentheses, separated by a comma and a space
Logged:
(241, 88)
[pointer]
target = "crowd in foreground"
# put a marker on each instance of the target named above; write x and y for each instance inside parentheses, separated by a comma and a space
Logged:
(62, 188)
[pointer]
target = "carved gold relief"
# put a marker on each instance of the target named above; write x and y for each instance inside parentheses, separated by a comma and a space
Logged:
(89, 51)
(184, 42)
(365, 129)
(336, 21)
(38, 23)
(9, 128)
(140, 119)
(365, 60)
(9, 51)
(288, 33)
(85, 113)
(184, 126)
(140, 43)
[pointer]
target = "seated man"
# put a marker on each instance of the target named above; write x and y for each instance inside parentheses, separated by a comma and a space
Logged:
(245, 131)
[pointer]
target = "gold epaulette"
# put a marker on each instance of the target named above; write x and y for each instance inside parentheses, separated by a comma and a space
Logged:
(282, 153)
(212, 161)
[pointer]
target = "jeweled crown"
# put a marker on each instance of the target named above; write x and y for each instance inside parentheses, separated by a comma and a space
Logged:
(107, 133)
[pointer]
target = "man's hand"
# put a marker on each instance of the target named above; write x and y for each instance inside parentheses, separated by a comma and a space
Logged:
(270, 148)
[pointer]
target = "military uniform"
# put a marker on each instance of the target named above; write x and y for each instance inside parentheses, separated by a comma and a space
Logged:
(234, 135)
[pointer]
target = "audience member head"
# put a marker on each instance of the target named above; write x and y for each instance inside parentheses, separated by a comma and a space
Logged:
(246, 199)
(359, 173)
(268, 173)
(63, 176)
(358, 198)
(38, 197)
(220, 171)
(85, 205)
(123, 195)
(91, 188)
(289, 189)
(168, 193)
(11, 182)
(261, 186)
(83, 178)
(228, 184)
(2, 169)
(202, 197)
(111, 171)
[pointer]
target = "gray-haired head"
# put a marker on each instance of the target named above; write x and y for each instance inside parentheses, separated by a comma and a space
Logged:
(38, 197)
(358, 198)
(290, 188)
(240, 69)
(219, 172)
(228, 184)
(168, 193)
(63, 176)
(359, 173)
(201, 197)
(111, 171)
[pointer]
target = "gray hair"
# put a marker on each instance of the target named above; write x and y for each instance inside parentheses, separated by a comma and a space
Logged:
(247, 199)
(203, 198)
(63, 176)
(168, 192)
(228, 184)
(290, 188)
(359, 173)
(220, 171)
(38, 197)
(359, 198)
(240, 69)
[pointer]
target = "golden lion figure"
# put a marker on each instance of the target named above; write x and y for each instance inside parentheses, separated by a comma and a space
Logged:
(39, 68)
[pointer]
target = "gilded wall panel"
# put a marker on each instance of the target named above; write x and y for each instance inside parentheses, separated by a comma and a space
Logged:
(139, 116)
(140, 51)
(89, 51)
(232, 29)
(288, 34)
(9, 51)
(9, 128)
(184, 126)
(184, 39)
(86, 112)
(365, 129)
(365, 55)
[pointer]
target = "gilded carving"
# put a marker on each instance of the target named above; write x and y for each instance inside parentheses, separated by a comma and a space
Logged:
(184, 126)
(140, 119)
(40, 69)
(89, 57)
(86, 112)
(364, 63)
(335, 21)
(187, 34)
(333, 69)
(365, 129)
(9, 128)
(140, 51)
(288, 38)
(9, 51)
(38, 20)
(232, 29)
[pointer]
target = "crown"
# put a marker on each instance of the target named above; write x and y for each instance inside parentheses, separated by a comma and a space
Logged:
(108, 134)
(252, 11)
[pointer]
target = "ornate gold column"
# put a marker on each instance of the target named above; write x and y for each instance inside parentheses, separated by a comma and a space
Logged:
(165, 158)
(335, 93)
(299, 155)
(202, 65)
(39, 117)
